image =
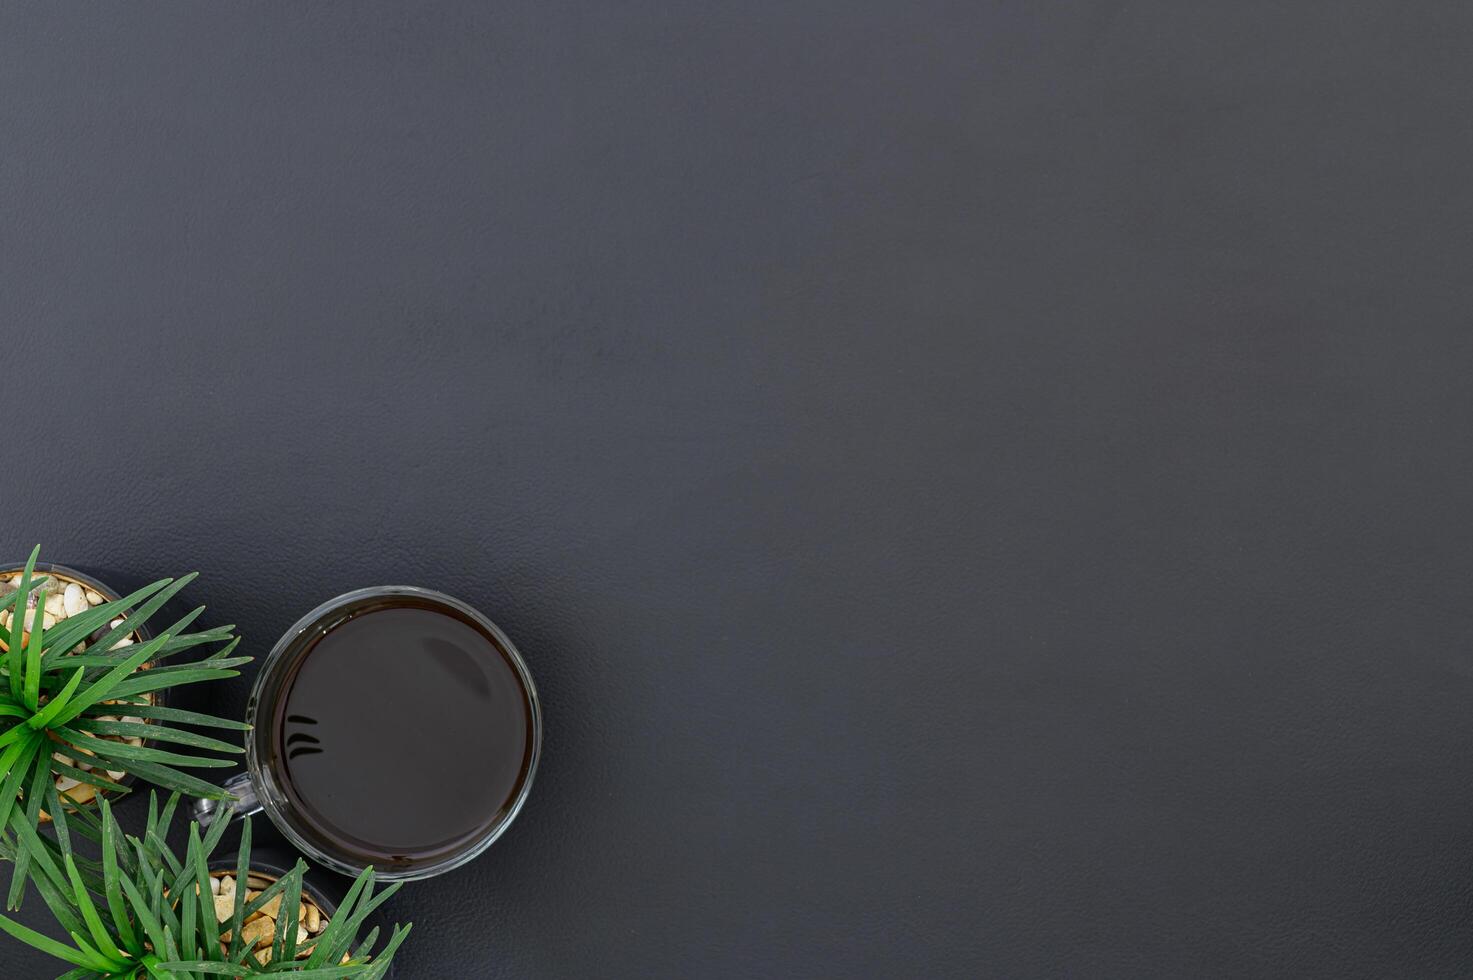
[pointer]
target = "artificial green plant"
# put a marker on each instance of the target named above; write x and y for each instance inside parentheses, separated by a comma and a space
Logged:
(144, 913)
(64, 688)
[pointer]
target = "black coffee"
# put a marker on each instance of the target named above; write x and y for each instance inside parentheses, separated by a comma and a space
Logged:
(402, 735)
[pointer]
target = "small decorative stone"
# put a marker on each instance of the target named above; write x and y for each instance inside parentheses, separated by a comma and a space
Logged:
(259, 931)
(74, 599)
(273, 907)
(93, 599)
(82, 793)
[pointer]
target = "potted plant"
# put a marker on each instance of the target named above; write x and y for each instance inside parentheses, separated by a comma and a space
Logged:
(81, 698)
(146, 913)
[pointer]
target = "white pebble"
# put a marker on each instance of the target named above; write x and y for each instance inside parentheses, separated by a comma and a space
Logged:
(124, 642)
(115, 624)
(15, 580)
(47, 620)
(64, 783)
(93, 599)
(214, 885)
(74, 600)
(115, 775)
(56, 606)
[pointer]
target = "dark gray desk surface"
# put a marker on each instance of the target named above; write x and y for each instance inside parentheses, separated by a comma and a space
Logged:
(984, 487)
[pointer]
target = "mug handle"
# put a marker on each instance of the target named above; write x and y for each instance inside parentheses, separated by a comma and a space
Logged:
(246, 803)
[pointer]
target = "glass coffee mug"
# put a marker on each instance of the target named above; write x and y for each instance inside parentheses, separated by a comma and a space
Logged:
(392, 726)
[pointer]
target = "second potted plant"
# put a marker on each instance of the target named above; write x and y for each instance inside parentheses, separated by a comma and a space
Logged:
(147, 913)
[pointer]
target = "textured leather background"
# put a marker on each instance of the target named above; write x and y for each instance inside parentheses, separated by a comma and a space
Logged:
(984, 488)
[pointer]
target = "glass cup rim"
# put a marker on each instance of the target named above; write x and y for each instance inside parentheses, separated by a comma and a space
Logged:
(272, 801)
